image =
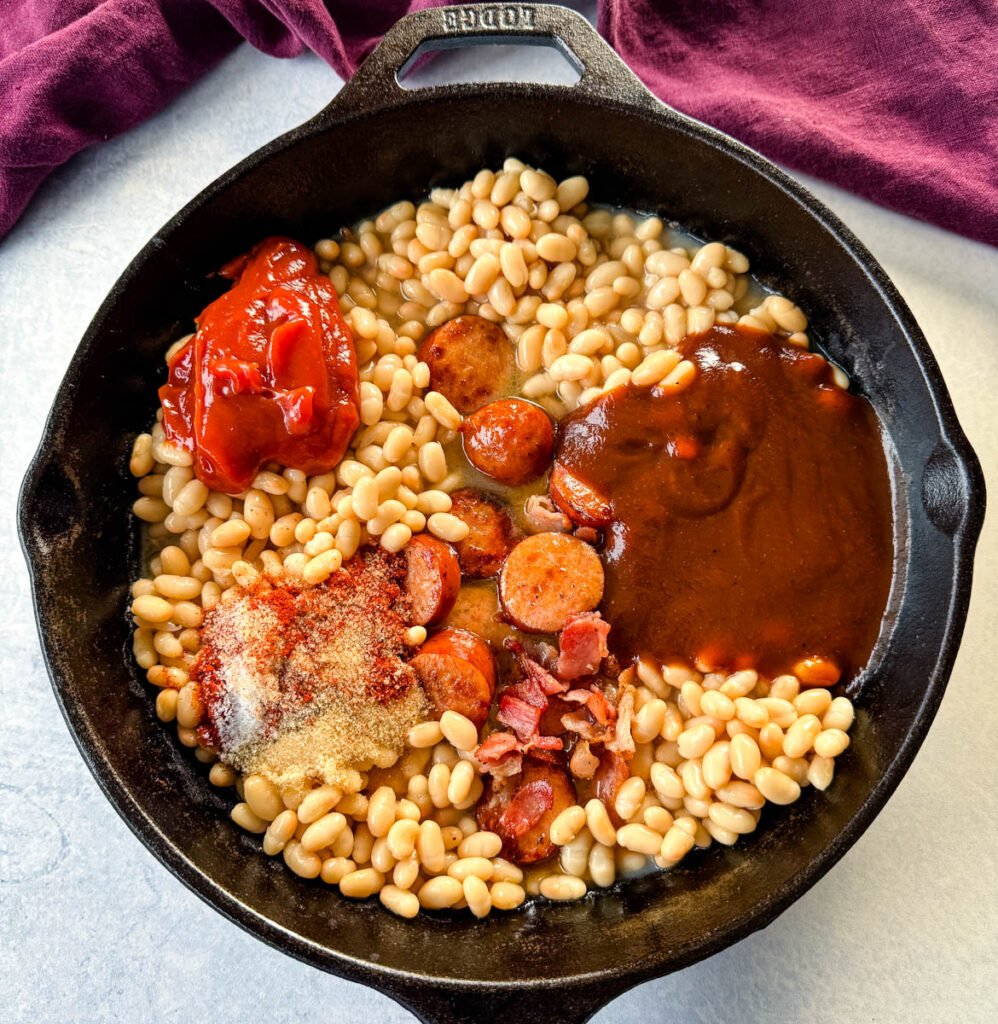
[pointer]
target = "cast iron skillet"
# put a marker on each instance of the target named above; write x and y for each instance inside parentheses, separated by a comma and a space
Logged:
(374, 144)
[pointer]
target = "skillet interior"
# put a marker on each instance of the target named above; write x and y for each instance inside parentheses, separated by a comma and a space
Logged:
(80, 537)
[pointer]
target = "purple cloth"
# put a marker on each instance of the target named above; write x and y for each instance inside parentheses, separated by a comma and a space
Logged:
(896, 100)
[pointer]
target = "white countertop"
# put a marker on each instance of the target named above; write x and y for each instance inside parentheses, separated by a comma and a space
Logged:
(905, 928)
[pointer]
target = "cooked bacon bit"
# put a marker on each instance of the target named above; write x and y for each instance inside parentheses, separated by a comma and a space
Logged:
(510, 765)
(577, 696)
(612, 773)
(545, 743)
(527, 807)
(583, 762)
(623, 742)
(542, 516)
(583, 645)
(588, 534)
(582, 723)
(496, 746)
(601, 708)
(533, 670)
(521, 717)
(530, 691)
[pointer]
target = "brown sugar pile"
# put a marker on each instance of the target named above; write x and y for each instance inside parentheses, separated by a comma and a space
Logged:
(311, 682)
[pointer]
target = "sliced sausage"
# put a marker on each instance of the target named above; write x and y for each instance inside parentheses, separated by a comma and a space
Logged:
(520, 810)
(580, 502)
(458, 673)
(510, 440)
(548, 578)
(433, 579)
(470, 360)
(491, 534)
(477, 610)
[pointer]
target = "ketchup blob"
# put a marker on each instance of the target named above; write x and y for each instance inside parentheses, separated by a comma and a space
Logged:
(270, 374)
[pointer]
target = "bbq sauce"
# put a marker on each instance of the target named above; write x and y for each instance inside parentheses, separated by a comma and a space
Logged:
(750, 519)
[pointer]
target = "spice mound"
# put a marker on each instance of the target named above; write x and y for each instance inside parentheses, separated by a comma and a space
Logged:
(311, 682)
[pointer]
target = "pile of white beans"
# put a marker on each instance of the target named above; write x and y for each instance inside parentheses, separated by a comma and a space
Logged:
(591, 299)
(711, 752)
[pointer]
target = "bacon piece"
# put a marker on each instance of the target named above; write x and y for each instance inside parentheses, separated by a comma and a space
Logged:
(623, 742)
(508, 766)
(577, 696)
(583, 646)
(528, 805)
(612, 773)
(580, 722)
(528, 690)
(521, 717)
(538, 673)
(545, 743)
(583, 762)
(600, 708)
(542, 516)
(496, 746)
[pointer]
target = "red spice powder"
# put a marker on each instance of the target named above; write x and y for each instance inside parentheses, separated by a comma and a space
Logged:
(273, 650)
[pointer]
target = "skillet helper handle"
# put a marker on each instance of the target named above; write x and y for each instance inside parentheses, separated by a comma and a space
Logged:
(603, 75)
(571, 1004)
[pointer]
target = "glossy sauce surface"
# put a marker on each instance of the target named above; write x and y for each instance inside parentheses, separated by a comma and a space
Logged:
(271, 373)
(751, 519)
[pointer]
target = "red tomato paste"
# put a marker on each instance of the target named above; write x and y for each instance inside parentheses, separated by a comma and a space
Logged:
(270, 375)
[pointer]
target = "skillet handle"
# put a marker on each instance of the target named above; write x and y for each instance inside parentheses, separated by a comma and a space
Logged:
(375, 85)
(571, 1004)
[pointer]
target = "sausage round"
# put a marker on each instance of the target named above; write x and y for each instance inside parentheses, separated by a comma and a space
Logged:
(458, 673)
(548, 578)
(477, 610)
(491, 534)
(580, 502)
(471, 361)
(433, 579)
(510, 440)
(506, 801)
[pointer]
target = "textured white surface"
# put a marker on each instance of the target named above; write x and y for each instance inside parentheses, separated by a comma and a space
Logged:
(92, 929)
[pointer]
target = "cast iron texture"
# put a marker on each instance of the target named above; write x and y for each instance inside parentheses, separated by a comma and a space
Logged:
(374, 144)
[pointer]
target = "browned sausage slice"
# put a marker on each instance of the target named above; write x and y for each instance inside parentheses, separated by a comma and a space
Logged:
(458, 673)
(520, 810)
(510, 440)
(491, 534)
(548, 578)
(470, 360)
(433, 579)
(578, 500)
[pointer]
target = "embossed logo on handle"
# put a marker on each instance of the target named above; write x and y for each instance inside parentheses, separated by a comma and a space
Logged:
(488, 18)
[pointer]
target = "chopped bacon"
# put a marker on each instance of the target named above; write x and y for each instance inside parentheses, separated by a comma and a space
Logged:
(533, 670)
(521, 717)
(583, 762)
(508, 766)
(600, 707)
(496, 746)
(542, 516)
(581, 723)
(623, 742)
(583, 645)
(612, 773)
(528, 690)
(545, 743)
(577, 696)
(588, 534)
(527, 807)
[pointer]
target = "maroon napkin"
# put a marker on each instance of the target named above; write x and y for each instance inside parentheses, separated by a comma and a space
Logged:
(896, 100)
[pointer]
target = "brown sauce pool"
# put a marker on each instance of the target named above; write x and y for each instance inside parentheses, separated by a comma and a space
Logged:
(751, 512)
